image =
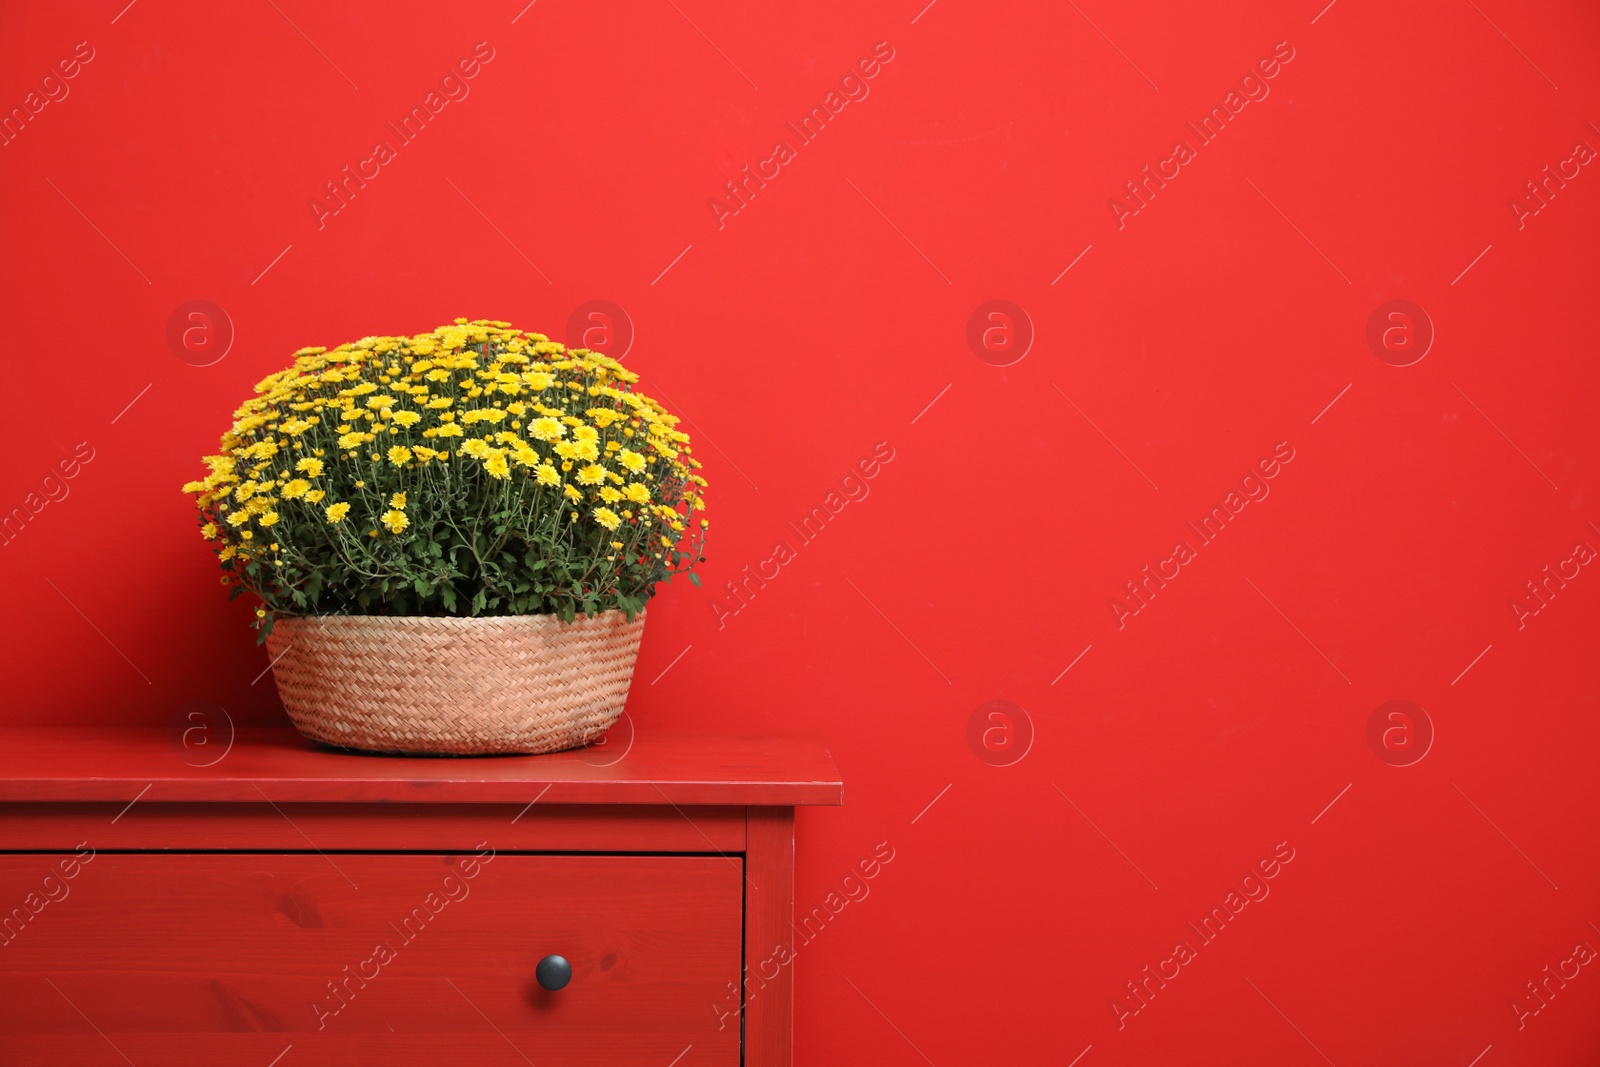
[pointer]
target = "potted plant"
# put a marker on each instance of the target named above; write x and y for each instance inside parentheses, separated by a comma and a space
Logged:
(453, 536)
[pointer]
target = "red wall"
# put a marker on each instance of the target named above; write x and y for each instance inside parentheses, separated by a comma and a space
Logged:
(1191, 741)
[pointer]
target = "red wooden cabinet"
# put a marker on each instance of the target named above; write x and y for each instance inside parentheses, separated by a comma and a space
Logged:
(295, 905)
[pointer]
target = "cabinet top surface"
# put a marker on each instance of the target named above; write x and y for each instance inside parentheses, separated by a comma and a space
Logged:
(660, 766)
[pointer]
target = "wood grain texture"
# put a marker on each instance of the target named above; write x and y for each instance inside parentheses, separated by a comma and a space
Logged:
(660, 767)
(769, 938)
(186, 959)
(540, 827)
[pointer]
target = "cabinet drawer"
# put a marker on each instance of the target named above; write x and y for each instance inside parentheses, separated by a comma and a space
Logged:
(362, 958)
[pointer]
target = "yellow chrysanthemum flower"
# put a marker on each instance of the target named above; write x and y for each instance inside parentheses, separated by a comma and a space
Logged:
(407, 418)
(497, 465)
(309, 466)
(591, 475)
(397, 501)
(607, 518)
(395, 520)
(546, 429)
(547, 475)
(295, 489)
(399, 455)
(336, 512)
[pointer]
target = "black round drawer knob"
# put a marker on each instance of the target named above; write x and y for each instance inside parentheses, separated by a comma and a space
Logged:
(553, 972)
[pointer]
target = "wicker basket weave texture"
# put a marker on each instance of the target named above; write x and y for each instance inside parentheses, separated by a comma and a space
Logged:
(454, 686)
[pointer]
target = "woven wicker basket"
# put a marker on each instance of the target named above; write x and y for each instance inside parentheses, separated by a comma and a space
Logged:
(451, 686)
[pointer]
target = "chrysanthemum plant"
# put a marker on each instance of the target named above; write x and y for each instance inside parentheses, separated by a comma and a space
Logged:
(474, 470)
